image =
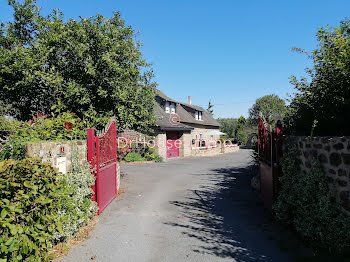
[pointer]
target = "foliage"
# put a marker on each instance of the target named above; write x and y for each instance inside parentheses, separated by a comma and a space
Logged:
(210, 108)
(325, 97)
(228, 126)
(304, 203)
(239, 130)
(31, 196)
(142, 148)
(270, 106)
(90, 66)
(241, 137)
(81, 208)
(158, 159)
(134, 157)
(65, 126)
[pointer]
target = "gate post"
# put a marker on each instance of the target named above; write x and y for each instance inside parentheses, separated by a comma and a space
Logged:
(91, 156)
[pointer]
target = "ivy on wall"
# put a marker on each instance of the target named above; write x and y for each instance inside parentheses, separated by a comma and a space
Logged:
(305, 204)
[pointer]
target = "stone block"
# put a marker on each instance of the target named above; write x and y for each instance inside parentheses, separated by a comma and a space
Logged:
(346, 158)
(338, 146)
(341, 172)
(327, 148)
(335, 159)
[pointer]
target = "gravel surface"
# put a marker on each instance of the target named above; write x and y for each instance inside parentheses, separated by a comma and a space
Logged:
(186, 209)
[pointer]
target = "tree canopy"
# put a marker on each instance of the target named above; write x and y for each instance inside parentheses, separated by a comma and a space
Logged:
(90, 66)
(322, 104)
(270, 106)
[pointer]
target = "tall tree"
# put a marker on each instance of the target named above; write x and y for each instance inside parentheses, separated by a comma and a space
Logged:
(90, 66)
(270, 106)
(322, 105)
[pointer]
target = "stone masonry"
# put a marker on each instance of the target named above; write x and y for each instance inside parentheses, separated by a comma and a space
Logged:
(334, 155)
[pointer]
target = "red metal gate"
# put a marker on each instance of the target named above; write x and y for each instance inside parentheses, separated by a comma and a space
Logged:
(102, 153)
(270, 152)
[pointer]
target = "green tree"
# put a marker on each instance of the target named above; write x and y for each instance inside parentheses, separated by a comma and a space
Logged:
(210, 108)
(228, 126)
(270, 106)
(90, 66)
(325, 98)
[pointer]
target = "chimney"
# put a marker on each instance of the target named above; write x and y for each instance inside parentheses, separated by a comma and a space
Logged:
(189, 100)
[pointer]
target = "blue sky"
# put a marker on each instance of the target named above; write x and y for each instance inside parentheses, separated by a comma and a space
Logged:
(230, 52)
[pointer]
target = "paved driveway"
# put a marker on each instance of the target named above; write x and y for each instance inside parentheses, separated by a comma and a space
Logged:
(192, 209)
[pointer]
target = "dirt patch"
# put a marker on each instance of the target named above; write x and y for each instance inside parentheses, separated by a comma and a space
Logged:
(121, 191)
(62, 248)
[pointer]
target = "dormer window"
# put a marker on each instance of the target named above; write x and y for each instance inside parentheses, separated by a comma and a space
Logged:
(167, 107)
(198, 115)
(170, 107)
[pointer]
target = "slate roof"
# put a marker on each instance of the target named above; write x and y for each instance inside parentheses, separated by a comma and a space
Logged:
(185, 113)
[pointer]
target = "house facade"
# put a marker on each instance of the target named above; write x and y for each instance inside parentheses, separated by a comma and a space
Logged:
(183, 130)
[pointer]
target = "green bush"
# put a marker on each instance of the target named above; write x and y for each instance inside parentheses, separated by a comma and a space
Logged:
(158, 159)
(40, 208)
(81, 208)
(305, 204)
(134, 157)
(64, 126)
(31, 196)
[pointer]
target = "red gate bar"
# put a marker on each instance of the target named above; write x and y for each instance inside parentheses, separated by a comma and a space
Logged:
(102, 154)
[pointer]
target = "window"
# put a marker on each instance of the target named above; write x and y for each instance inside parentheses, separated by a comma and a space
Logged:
(170, 107)
(198, 115)
(167, 107)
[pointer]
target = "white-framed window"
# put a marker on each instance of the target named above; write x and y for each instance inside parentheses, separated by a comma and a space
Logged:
(198, 115)
(172, 108)
(167, 107)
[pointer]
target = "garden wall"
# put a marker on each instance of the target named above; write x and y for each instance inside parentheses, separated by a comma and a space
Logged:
(58, 154)
(334, 155)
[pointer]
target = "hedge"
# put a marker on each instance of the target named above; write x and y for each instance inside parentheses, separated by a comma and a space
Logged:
(31, 196)
(40, 208)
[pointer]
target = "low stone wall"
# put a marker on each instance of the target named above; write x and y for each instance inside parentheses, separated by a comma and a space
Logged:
(334, 155)
(230, 149)
(205, 151)
(58, 154)
(213, 151)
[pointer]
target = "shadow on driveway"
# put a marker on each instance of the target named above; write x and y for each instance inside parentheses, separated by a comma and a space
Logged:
(227, 218)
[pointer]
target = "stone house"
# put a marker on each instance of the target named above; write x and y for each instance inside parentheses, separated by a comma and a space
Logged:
(183, 129)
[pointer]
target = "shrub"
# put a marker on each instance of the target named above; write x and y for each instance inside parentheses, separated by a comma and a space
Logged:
(158, 159)
(133, 157)
(31, 196)
(79, 211)
(65, 126)
(304, 203)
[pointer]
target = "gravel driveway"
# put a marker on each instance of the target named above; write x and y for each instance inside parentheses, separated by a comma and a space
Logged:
(189, 209)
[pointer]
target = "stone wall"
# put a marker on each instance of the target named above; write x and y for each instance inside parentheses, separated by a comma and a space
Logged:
(58, 154)
(334, 155)
(206, 151)
(230, 149)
